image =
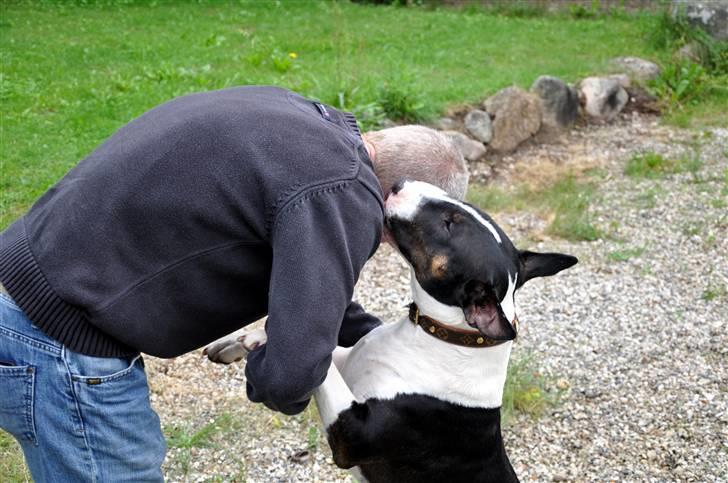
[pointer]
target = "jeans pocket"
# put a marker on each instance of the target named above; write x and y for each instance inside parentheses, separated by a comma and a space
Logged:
(95, 371)
(16, 403)
(8, 302)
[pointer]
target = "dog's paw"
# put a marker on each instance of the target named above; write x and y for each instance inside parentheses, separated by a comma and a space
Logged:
(253, 340)
(234, 349)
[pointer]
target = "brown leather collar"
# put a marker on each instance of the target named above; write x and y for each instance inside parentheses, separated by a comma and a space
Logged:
(451, 335)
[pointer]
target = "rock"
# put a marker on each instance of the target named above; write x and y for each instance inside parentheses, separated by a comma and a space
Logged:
(559, 102)
(602, 97)
(300, 456)
(623, 80)
(638, 69)
(500, 98)
(471, 149)
(711, 16)
(478, 124)
(689, 52)
(517, 117)
(562, 384)
(446, 124)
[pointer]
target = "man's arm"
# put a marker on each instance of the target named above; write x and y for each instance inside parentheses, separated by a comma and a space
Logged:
(356, 324)
(320, 243)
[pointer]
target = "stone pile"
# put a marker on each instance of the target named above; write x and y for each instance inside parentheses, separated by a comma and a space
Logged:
(513, 115)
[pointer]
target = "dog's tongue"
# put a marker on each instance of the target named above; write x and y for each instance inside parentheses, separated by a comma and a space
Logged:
(483, 317)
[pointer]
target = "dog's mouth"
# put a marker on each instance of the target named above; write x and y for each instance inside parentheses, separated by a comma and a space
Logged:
(482, 317)
(483, 312)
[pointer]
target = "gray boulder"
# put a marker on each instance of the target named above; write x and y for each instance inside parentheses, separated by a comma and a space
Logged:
(711, 15)
(623, 80)
(640, 70)
(516, 117)
(478, 124)
(602, 97)
(472, 150)
(559, 102)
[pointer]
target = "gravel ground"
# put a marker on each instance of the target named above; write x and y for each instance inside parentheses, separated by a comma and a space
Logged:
(641, 344)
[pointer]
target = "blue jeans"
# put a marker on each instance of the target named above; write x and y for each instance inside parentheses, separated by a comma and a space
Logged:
(77, 418)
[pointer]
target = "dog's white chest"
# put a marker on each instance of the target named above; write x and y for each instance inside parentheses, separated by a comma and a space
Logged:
(401, 358)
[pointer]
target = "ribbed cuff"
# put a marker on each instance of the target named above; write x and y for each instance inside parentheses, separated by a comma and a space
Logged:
(30, 290)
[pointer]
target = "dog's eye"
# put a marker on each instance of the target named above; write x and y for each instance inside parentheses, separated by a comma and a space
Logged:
(448, 224)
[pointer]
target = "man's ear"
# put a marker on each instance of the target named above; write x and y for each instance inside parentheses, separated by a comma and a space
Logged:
(483, 312)
(542, 264)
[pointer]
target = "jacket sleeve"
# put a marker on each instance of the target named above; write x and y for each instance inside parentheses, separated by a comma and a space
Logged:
(320, 242)
(356, 324)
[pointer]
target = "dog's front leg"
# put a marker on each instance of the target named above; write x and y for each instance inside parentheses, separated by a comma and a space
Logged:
(333, 396)
(340, 355)
(353, 429)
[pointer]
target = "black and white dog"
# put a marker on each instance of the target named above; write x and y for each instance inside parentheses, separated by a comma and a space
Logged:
(419, 400)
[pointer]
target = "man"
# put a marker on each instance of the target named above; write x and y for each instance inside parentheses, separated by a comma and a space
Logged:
(198, 218)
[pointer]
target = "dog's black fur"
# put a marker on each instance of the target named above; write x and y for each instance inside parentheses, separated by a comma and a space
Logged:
(416, 438)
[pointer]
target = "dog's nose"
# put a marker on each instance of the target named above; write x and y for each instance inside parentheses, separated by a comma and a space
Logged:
(398, 186)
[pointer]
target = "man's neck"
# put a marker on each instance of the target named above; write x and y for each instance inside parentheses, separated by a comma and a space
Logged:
(370, 150)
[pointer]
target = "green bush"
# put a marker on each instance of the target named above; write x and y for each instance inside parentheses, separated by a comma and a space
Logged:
(675, 32)
(527, 390)
(582, 11)
(680, 83)
(400, 102)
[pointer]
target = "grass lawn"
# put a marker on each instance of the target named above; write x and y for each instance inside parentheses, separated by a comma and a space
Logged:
(73, 74)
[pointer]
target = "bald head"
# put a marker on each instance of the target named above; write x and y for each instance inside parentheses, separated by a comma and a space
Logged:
(420, 154)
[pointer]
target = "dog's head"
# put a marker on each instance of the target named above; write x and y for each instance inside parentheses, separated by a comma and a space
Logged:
(461, 257)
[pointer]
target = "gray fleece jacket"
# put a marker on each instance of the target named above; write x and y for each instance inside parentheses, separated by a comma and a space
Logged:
(198, 218)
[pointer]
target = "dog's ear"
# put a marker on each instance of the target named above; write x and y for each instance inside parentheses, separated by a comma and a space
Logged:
(483, 312)
(542, 264)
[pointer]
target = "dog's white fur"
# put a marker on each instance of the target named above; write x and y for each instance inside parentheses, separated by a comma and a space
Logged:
(406, 203)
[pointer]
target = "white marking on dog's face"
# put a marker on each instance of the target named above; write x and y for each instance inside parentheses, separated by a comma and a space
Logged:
(508, 304)
(406, 201)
